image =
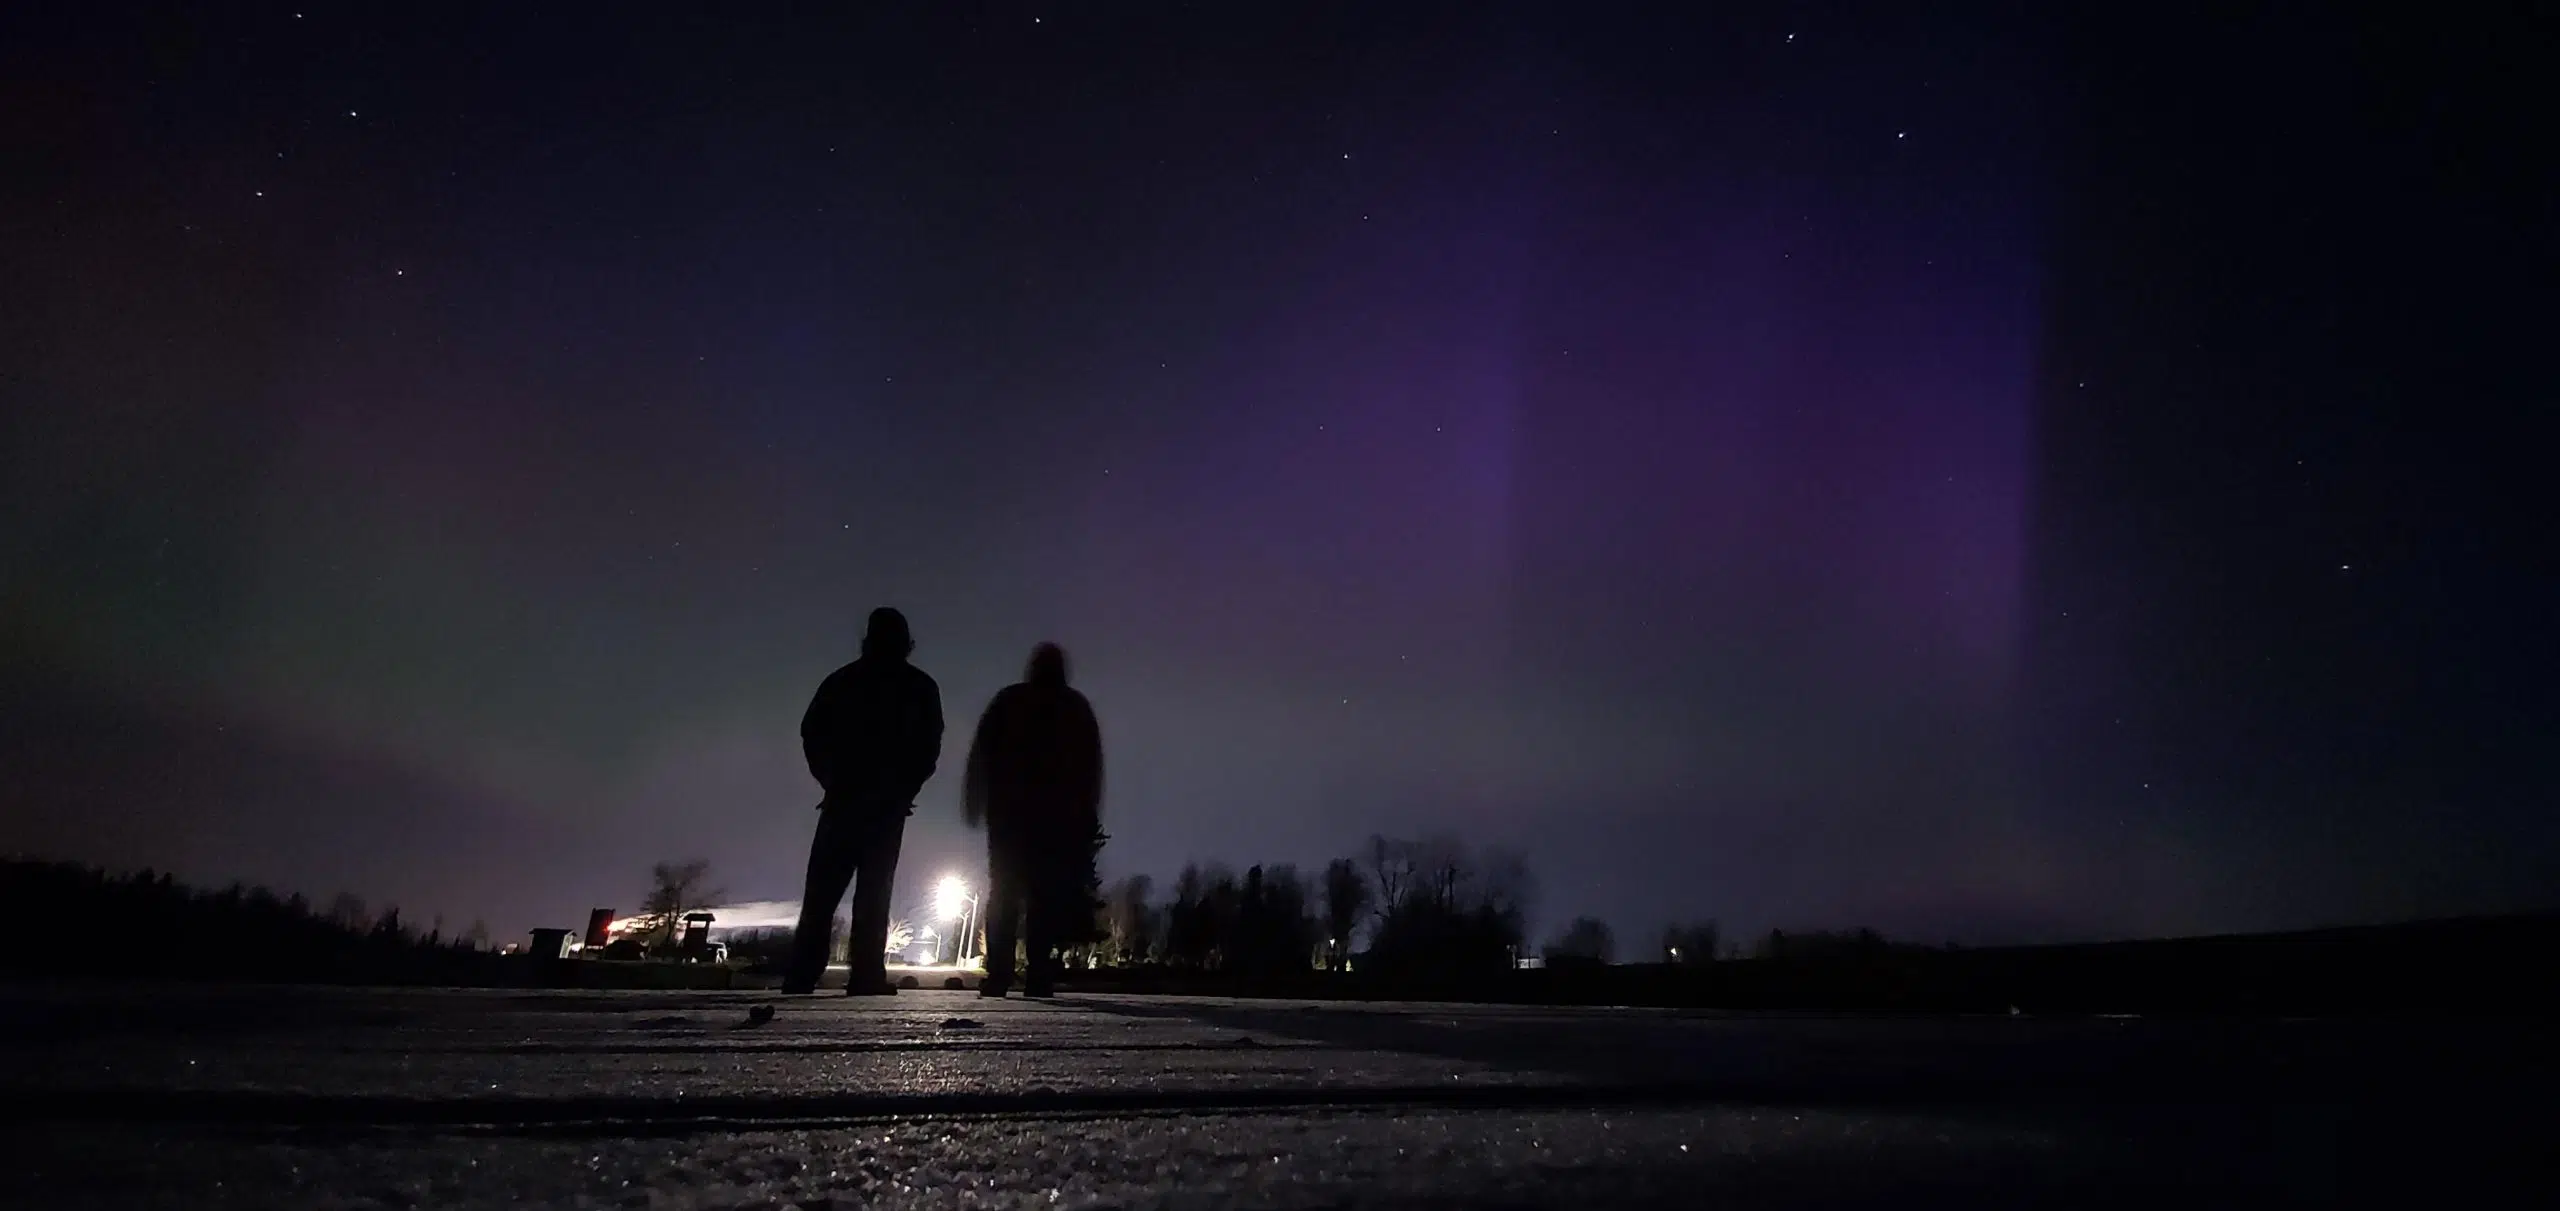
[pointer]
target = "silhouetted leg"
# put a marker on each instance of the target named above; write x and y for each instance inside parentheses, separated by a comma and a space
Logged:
(867, 951)
(1004, 915)
(1043, 927)
(1039, 938)
(833, 855)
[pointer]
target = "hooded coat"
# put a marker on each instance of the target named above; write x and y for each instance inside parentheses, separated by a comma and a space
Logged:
(1035, 766)
(873, 733)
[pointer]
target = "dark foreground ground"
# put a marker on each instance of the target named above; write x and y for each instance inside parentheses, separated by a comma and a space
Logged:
(203, 1097)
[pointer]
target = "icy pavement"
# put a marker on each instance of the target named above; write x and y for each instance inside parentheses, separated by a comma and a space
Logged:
(332, 1098)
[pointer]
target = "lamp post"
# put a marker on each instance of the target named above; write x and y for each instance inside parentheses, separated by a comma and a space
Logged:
(953, 902)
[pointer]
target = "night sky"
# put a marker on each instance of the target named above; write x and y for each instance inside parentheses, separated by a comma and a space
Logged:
(1963, 470)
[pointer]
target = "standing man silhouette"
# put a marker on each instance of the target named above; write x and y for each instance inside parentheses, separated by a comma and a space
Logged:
(872, 736)
(1035, 782)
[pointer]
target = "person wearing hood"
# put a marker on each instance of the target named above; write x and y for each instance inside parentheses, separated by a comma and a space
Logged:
(872, 736)
(1034, 782)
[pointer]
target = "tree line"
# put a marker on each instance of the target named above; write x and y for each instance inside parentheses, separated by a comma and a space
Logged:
(1433, 906)
(148, 924)
(1425, 909)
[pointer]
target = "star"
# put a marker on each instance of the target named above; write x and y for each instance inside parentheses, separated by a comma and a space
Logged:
(1791, 37)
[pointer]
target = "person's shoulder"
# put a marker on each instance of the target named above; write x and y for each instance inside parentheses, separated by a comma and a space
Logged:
(837, 679)
(919, 679)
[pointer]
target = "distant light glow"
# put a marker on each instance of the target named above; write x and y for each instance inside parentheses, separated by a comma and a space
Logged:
(951, 898)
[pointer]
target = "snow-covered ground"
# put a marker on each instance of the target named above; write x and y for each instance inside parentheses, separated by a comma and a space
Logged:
(195, 1097)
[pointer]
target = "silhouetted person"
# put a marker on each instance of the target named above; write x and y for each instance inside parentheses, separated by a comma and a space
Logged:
(872, 735)
(1035, 781)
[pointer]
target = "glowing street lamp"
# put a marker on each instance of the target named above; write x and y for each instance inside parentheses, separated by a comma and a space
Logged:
(951, 902)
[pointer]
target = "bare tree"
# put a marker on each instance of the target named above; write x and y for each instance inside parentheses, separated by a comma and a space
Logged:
(1587, 938)
(347, 911)
(1701, 942)
(1280, 930)
(1129, 918)
(1505, 884)
(1441, 908)
(1221, 908)
(1391, 871)
(1440, 871)
(676, 888)
(1346, 898)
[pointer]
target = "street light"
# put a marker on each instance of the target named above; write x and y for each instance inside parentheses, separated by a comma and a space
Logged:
(952, 902)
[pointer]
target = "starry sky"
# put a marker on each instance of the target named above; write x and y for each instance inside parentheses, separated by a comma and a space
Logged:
(1979, 473)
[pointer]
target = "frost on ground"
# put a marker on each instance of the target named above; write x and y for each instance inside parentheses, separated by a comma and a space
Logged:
(211, 1098)
(1734, 1158)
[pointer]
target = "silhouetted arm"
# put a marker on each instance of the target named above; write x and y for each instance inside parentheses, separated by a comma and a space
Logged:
(815, 743)
(979, 778)
(926, 756)
(1088, 760)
